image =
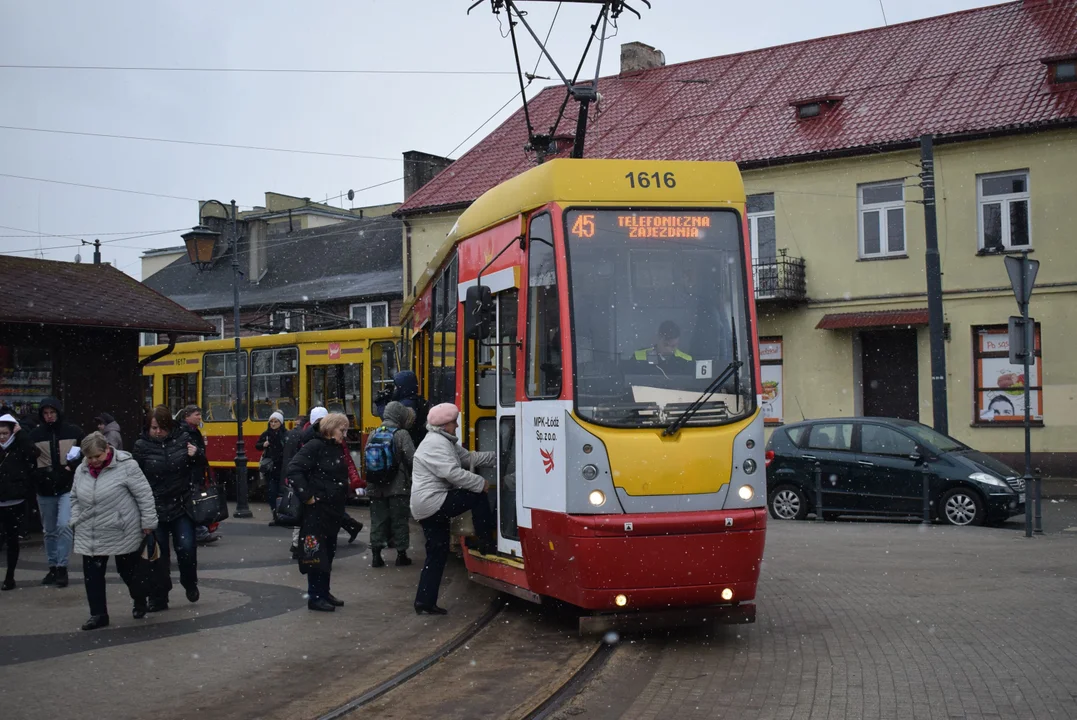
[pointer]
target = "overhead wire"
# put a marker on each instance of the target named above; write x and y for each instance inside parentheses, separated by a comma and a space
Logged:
(301, 71)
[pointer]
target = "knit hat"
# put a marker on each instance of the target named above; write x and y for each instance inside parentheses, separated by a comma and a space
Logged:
(277, 416)
(317, 413)
(442, 414)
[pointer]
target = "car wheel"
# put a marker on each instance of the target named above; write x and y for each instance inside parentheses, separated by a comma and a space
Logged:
(962, 506)
(788, 502)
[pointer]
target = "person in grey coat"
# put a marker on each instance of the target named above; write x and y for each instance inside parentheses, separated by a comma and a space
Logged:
(390, 496)
(441, 490)
(112, 508)
(107, 426)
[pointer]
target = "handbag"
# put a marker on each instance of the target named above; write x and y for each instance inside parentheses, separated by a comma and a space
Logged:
(266, 467)
(289, 509)
(145, 575)
(205, 505)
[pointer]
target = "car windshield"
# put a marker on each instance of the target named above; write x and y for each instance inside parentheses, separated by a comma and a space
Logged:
(659, 311)
(935, 440)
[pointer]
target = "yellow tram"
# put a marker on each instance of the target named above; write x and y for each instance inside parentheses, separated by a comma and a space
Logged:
(344, 370)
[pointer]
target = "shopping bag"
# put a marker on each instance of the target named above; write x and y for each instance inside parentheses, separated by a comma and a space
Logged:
(289, 509)
(145, 575)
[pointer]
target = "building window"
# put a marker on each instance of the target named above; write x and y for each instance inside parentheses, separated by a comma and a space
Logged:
(219, 401)
(218, 322)
(147, 338)
(761, 229)
(1064, 71)
(1003, 215)
(286, 321)
(770, 369)
(274, 383)
(882, 219)
(1000, 386)
(370, 315)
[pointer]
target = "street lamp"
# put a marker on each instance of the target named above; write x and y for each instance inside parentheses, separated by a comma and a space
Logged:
(200, 242)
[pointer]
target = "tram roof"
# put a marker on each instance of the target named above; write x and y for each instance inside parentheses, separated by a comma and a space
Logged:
(585, 181)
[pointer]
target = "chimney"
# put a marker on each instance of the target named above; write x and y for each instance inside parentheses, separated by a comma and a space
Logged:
(420, 168)
(257, 252)
(637, 56)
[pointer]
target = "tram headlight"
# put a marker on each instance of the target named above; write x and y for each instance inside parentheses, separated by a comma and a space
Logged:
(620, 600)
(746, 492)
(597, 498)
(727, 594)
(589, 472)
(749, 466)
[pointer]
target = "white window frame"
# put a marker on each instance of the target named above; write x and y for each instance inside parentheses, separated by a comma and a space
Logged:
(369, 311)
(1005, 201)
(144, 337)
(218, 321)
(288, 324)
(883, 208)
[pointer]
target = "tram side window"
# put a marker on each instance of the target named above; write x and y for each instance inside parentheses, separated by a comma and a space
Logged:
(274, 383)
(147, 395)
(383, 366)
(543, 313)
(219, 402)
(486, 369)
(338, 388)
(443, 338)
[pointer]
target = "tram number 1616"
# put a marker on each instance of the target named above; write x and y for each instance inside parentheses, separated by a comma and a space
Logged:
(646, 180)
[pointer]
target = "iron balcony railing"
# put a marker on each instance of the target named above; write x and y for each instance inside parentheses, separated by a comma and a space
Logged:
(779, 278)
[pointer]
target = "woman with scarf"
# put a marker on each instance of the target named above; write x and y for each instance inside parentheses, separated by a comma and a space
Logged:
(112, 508)
(17, 459)
(271, 443)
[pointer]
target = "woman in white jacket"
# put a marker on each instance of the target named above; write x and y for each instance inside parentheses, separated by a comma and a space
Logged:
(442, 489)
(111, 509)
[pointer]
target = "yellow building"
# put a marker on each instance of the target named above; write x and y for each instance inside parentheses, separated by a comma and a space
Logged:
(826, 133)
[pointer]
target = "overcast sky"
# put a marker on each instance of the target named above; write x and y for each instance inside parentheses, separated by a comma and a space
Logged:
(365, 114)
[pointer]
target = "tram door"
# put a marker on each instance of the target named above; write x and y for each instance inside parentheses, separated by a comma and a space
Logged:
(508, 535)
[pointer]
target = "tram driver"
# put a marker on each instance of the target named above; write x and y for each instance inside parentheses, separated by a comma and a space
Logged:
(666, 354)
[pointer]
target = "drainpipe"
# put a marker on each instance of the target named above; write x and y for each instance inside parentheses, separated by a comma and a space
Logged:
(159, 354)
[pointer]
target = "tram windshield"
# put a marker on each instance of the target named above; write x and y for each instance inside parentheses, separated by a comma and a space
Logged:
(660, 310)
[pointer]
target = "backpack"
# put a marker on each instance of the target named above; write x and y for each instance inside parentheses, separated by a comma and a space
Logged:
(379, 456)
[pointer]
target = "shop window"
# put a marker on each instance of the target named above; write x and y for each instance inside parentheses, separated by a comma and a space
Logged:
(1000, 386)
(25, 378)
(882, 219)
(383, 366)
(1003, 212)
(770, 368)
(274, 383)
(219, 401)
(543, 312)
(370, 315)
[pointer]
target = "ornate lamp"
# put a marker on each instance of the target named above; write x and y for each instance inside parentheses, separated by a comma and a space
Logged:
(200, 242)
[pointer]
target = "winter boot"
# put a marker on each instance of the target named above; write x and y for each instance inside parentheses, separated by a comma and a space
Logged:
(61, 577)
(50, 578)
(402, 559)
(377, 560)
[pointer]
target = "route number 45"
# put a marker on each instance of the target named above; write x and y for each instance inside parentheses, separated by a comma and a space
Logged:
(646, 180)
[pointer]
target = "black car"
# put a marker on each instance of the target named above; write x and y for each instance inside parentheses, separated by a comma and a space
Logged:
(876, 466)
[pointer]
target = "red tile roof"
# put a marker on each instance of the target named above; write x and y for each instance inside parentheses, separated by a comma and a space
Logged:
(965, 73)
(876, 319)
(60, 293)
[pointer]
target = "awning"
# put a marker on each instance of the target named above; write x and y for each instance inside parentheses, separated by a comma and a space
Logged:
(876, 319)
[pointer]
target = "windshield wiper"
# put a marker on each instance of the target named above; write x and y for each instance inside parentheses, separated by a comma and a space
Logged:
(702, 399)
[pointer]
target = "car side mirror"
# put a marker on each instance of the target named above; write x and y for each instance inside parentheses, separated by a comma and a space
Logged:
(478, 311)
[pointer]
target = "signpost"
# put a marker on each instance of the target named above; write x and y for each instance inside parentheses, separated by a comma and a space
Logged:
(1022, 272)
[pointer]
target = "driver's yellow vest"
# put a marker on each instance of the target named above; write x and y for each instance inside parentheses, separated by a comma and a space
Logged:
(651, 355)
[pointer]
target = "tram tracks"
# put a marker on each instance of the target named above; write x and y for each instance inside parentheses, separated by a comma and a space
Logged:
(507, 663)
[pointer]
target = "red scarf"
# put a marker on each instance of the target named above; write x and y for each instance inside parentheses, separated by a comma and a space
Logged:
(354, 480)
(94, 472)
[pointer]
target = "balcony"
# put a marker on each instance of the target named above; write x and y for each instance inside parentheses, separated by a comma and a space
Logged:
(780, 279)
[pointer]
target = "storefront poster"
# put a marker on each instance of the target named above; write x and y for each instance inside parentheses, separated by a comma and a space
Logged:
(770, 358)
(1001, 395)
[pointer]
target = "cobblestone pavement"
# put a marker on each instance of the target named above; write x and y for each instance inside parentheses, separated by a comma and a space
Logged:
(874, 620)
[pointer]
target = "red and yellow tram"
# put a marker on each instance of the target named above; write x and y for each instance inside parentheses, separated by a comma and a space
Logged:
(595, 322)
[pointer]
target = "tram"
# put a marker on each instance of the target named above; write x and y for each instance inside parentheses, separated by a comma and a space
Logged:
(343, 370)
(595, 322)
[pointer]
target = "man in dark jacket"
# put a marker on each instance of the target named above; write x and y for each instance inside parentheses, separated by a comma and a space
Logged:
(406, 392)
(57, 442)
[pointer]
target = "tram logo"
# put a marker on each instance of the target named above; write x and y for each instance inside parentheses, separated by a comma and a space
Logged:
(547, 460)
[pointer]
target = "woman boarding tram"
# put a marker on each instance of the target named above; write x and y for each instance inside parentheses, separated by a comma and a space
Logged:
(609, 360)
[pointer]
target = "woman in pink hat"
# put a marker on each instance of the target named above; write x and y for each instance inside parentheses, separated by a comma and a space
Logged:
(442, 489)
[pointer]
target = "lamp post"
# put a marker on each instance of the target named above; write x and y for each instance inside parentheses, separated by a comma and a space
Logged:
(200, 242)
